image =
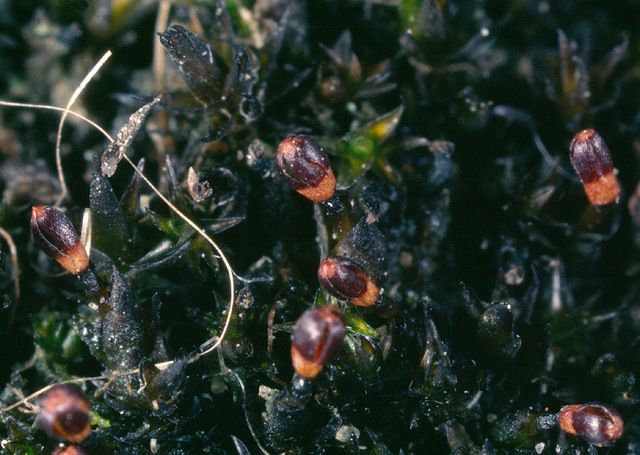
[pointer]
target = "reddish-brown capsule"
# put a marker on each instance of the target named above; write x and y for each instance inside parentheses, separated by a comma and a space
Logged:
(305, 167)
(345, 279)
(592, 161)
(69, 450)
(64, 413)
(54, 233)
(597, 423)
(316, 339)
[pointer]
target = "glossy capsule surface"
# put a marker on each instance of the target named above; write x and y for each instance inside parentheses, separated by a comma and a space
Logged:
(345, 279)
(69, 450)
(306, 168)
(598, 424)
(592, 162)
(64, 413)
(54, 233)
(317, 337)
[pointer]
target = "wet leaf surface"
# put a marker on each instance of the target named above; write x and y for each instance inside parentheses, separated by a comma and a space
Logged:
(502, 295)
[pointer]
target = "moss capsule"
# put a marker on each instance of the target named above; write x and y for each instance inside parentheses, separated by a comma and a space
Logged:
(305, 167)
(317, 337)
(64, 413)
(598, 424)
(345, 279)
(55, 234)
(592, 161)
(69, 450)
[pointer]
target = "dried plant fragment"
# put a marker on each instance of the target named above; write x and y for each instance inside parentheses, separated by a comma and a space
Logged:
(113, 154)
(198, 190)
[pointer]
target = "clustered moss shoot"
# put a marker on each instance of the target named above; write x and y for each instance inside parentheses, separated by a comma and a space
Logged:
(502, 294)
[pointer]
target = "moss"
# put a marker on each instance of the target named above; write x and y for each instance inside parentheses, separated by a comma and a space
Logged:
(447, 125)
